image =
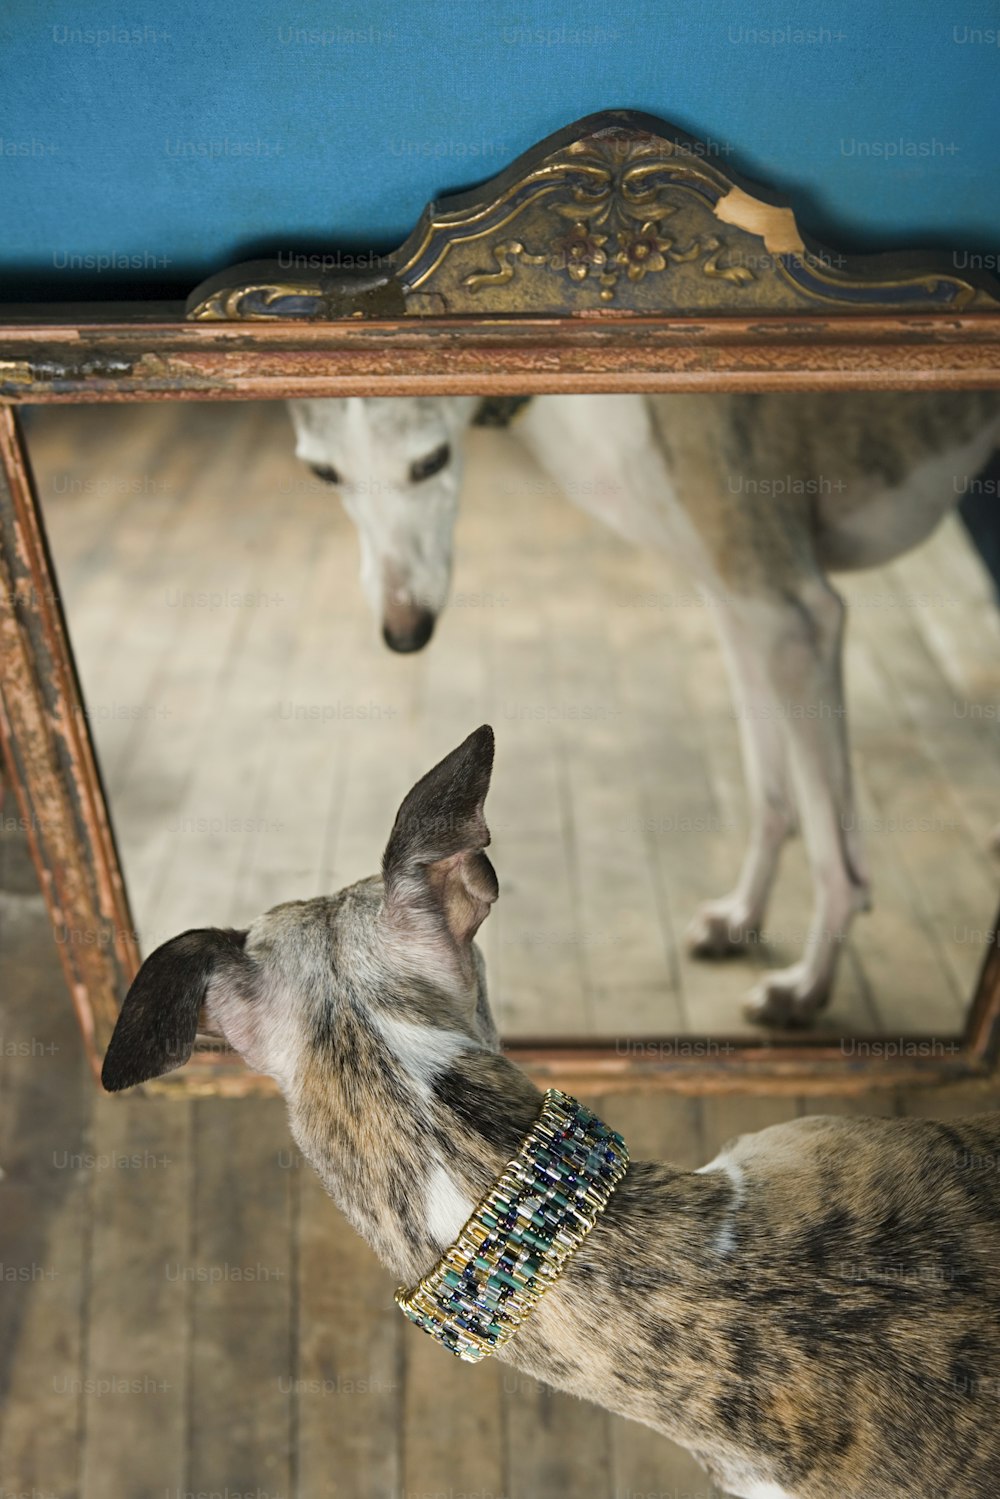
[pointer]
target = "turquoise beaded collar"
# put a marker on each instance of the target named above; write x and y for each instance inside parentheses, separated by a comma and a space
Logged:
(522, 1234)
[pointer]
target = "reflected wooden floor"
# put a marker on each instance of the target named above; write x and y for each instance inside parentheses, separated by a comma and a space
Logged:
(256, 736)
(183, 1311)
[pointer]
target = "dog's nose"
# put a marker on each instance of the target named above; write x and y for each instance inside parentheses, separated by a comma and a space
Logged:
(408, 629)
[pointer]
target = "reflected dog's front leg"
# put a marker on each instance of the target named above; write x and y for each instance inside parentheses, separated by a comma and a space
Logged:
(799, 633)
(732, 922)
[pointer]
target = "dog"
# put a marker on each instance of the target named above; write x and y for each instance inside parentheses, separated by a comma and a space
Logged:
(814, 1315)
(759, 497)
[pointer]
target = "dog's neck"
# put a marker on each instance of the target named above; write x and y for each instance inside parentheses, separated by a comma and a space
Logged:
(407, 1128)
(407, 1155)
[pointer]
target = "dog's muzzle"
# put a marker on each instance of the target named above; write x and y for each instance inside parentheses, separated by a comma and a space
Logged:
(408, 629)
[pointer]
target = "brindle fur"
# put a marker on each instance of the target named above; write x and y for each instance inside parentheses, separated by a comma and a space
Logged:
(815, 1315)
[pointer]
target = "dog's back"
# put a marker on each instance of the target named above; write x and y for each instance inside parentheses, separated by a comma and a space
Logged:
(864, 1306)
(865, 475)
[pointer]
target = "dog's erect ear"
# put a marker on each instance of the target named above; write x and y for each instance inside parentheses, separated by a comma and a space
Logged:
(434, 861)
(158, 1023)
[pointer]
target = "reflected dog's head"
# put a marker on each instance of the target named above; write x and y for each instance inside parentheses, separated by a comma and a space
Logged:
(398, 465)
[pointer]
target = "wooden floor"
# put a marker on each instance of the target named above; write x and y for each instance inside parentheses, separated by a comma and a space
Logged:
(183, 1311)
(256, 736)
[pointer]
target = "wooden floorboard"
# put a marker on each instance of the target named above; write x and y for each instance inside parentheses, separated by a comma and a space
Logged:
(349, 1373)
(138, 1324)
(453, 1422)
(241, 1269)
(45, 1213)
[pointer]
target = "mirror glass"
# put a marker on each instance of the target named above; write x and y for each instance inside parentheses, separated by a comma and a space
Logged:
(634, 592)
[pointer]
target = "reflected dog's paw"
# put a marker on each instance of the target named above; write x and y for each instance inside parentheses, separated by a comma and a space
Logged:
(788, 999)
(720, 928)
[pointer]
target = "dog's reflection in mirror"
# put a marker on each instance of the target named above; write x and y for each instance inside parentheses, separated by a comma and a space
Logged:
(761, 497)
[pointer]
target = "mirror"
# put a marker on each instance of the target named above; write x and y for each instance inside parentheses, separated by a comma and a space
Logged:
(256, 733)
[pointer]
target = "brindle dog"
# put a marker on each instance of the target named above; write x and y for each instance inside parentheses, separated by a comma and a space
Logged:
(815, 1314)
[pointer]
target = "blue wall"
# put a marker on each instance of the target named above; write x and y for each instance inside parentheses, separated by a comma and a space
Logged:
(191, 135)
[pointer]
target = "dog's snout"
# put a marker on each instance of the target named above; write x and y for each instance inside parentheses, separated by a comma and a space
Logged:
(408, 629)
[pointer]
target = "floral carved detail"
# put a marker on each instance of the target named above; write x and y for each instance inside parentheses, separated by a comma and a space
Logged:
(617, 220)
(579, 252)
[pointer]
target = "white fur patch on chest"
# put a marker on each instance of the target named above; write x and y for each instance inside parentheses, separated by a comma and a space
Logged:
(447, 1209)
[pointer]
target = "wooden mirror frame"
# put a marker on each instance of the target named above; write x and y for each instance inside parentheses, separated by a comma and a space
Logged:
(615, 256)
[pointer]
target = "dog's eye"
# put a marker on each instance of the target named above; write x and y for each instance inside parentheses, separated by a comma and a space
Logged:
(328, 475)
(426, 468)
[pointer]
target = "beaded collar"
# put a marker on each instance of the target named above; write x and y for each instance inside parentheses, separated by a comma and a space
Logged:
(522, 1234)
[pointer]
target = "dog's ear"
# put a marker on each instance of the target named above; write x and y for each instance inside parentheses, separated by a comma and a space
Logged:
(158, 1022)
(434, 863)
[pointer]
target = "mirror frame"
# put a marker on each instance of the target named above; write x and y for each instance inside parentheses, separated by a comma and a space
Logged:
(738, 299)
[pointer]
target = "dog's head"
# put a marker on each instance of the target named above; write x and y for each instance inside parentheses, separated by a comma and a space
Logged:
(388, 965)
(397, 463)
